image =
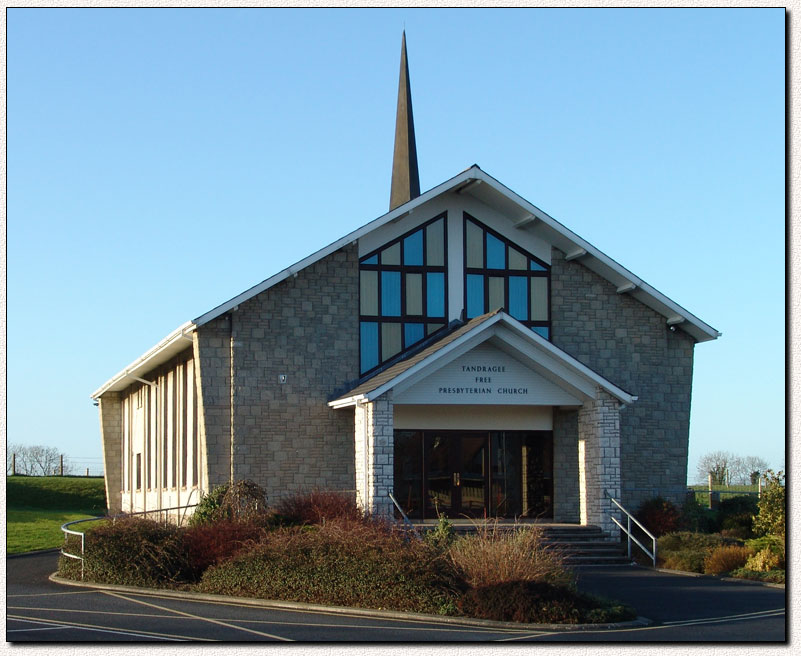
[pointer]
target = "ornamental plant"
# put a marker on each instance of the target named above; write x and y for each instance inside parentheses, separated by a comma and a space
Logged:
(770, 520)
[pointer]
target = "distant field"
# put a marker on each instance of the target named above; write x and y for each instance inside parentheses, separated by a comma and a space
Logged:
(726, 491)
(37, 506)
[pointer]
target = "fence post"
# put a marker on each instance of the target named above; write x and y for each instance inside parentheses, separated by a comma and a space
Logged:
(61, 465)
(709, 486)
(87, 471)
(13, 464)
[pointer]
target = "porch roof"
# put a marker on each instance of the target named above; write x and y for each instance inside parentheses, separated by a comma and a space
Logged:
(551, 361)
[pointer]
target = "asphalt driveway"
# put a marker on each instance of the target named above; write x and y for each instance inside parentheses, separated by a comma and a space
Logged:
(682, 609)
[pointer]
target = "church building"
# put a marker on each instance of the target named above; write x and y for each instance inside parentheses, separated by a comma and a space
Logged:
(464, 353)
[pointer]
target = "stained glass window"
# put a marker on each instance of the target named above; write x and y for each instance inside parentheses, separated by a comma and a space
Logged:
(403, 293)
(500, 274)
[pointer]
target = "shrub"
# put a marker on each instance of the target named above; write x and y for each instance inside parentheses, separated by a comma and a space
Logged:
(243, 501)
(659, 516)
(772, 576)
(770, 519)
(537, 602)
(773, 542)
(492, 556)
(764, 561)
(316, 507)
(344, 562)
(209, 544)
(694, 517)
(687, 551)
(208, 509)
(736, 516)
(725, 559)
(442, 537)
(133, 551)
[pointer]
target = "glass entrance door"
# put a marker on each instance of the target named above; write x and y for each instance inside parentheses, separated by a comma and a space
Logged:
(474, 474)
(456, 473)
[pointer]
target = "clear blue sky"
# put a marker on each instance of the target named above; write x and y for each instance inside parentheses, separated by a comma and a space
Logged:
(162, 161)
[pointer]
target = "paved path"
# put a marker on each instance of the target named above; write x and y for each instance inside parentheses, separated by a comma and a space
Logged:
(684, 608)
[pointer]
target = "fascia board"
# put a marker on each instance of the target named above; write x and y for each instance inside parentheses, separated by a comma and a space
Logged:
(707, 331)
(354, 236)
(347, 402)
(558, 356)
(161, 352)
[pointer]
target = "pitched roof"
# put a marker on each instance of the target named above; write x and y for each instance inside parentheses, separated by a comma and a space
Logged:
(524, 215)
(562, 365)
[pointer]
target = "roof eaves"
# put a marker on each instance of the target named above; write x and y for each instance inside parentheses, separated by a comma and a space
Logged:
(147, 360)
(592, 251)
(395, 214)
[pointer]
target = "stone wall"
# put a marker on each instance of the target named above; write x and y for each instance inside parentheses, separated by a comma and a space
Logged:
(565, 466)
(306, 327)
(630, 345)
(212, 352)
(374, 429)
(110, 406)
(599, 460)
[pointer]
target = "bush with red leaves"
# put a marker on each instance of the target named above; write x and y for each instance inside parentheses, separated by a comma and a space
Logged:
(317, 507)
(659, 516)
(211, 544)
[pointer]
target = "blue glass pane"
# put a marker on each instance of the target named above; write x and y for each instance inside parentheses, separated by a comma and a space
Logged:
(496, 253)
(412, 333)
(371, 260)
(518, 297)
(537, 267)
(435, 294)
(413, 249)
(475, 295)
(541, 330)
(369, 344)
(390, 293)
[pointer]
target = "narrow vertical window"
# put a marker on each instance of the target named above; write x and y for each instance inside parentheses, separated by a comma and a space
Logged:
(369, 345)
(368, 292)
(138, 471)
(435, 243)
(435, 294)
(184, 434)
(475, 295)
(413, 249)
(390, 293)
(518, 297)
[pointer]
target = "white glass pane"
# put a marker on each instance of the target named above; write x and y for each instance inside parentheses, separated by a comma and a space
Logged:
(368, 292)
(391, 255)
(414, 293)
(495, 293)
(390, 340)
(539, 299)
(435, 244)
(475, 246)
(517, 260)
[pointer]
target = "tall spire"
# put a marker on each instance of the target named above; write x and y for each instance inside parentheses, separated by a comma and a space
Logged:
(405, 178)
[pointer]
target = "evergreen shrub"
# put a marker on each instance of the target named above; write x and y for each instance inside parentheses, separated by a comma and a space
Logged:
(132, 551)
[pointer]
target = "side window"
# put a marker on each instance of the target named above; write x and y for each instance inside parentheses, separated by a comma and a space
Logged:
(402, 293)
(500, 274)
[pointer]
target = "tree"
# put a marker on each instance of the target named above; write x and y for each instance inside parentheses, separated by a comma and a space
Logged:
(35, 460)
(770, 520)
(728, 468)
(716, 463)
(752, 468)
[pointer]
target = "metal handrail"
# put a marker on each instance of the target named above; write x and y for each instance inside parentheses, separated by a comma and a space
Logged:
(68, 531)
(629, 534)
(406, 520)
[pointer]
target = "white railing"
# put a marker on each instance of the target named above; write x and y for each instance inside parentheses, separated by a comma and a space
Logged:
(406, 520)
(627, 530)
(67, 531)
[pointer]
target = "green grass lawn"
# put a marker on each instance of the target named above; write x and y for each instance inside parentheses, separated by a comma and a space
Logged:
(37, 506)
(726, 491)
